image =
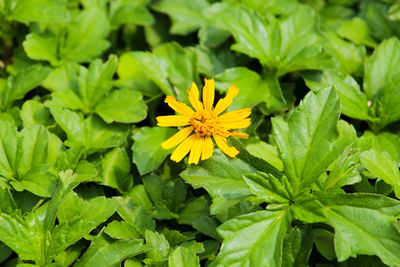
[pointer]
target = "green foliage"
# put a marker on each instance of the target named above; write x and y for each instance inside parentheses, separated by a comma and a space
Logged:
(84, 180)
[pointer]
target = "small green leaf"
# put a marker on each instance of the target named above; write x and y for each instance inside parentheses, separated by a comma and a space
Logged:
(121, 230)
(104, 251)
(122, 105)
(116, 170)
(297, 246)
(382, 166)
(182, 256)
(147, 151)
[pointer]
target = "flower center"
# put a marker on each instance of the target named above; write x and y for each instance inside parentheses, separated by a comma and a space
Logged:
(204, 123)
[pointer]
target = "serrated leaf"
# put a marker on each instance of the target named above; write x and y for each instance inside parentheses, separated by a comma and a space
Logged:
(254, 239)
(182, 256)
(364, 224)
(382, 166)
(307, 141)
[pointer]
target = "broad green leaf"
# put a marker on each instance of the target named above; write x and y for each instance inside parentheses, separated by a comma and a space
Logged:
(33, 113)
(207, 225)
(77, 217)
(158, 247)
(68, 256)
(267, 187)
(253, 89)
(147, 151)
(8, 149)
(307, 141)
(357, 31)
(182, 69)
(47, 11)
(145, 72)
(121, 230)
(86, 36)
(25, 80)
(139, 195)
(297, 246)
(186, 16)
(116, 170)
(104, 251)
(347, 57)
(364, 224)
(182, 256)
(381, 67)
(353, 102)
(254, 239)
(42, 47)
(194, 209)
(132, 12)
(124, 105)
(267, 152)
(5, 252)
(7, 204)
(324, 243)
(388, 102)
(382, 166)
(383, 142)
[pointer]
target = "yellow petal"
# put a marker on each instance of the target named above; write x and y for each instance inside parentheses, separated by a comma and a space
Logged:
(225, 102)
(173, 121)
(181, 151)
(236, 124)
(194, 97)
(222, 143)
(235, 115)
(196, 150)
(177, 138)
(208, 148)
(179, 107)
(240, 135)
(208, 93)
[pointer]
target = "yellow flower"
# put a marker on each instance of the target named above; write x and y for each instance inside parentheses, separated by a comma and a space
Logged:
(206, 122)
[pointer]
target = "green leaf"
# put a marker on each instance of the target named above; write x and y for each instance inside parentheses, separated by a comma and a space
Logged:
(8, 149)
(158, 245)
(382, 142)
(254, 239)
(353, 102)
(307, 141)
(194, 209)
(121, 230)
(364, 224)
(182, 256)
(128, 12)
(382, 166)
(267, 152)
(25, 80)
(182, 69)
(104, 251)
(46, 11)
(324, 243)
(86, 36)
(42, 47)
(122, 105)
(345, 171)
(381, 67)
(145, 72)
(253, 89)
(267, 187)
(357, 31)
(116, 170)
(186, 16)
(297, 246)
(147, 151)
(34, 113)
(387, 103)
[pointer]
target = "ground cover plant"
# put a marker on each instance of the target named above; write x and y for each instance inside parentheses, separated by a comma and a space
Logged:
(199, 133)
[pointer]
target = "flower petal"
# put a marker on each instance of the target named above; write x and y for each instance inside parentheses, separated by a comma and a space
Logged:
(222, 143)
(236, 124)
(179, 107)
(194, 97)
(177, 138)
(224, 103)
(235, 115)
(240, 135)
(173, 121)
(208, 148)
(196, 150)
(181, 151)
(208, 93)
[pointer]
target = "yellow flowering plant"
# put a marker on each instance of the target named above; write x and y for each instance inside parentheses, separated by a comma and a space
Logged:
(203, 124)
